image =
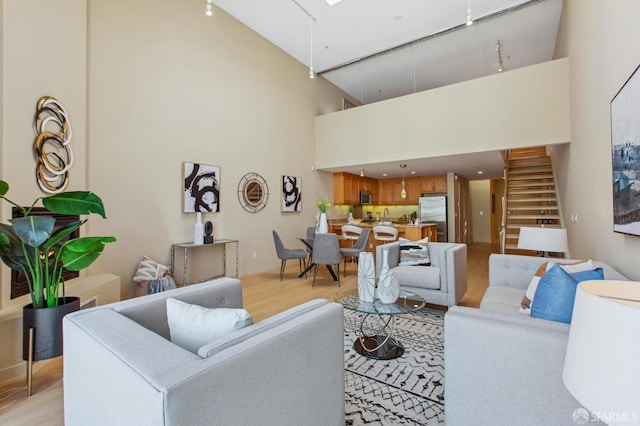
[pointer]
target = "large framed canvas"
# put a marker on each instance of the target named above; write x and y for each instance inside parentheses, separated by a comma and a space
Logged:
(625, 156)
(291, 194)
(201, 188)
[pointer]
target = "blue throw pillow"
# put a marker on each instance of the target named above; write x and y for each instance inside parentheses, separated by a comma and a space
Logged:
(556, 293)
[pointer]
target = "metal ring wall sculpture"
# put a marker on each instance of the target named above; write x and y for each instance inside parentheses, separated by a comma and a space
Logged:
(253, 192)
(52, 145)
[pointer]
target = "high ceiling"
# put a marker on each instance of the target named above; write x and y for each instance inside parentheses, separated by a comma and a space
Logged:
(380, 49)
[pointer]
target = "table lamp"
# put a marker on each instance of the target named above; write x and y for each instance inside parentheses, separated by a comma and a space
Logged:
(602, 362)
(544, 240)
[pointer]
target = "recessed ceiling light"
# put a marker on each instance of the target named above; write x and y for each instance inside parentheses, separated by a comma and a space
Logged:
(332, 2)
(384, 174)
(413, 172)
(480, 172)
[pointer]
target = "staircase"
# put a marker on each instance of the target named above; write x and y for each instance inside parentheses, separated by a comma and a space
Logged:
(530, 194)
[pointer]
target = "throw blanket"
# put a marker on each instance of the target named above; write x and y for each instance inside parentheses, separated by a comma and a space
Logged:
(161, 284)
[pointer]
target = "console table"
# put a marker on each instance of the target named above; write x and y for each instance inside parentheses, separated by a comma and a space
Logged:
(191, 248)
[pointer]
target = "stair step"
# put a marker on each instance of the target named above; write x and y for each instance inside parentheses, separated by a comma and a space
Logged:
(518, 226)
(537, 208)
(533, 216)
(533, 162)
(530, 169)
(531, 200)
(531, 177)
(533, 191)
(529, 184)
(535, 152)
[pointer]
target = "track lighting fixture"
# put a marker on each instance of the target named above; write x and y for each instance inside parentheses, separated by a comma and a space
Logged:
(499, 50)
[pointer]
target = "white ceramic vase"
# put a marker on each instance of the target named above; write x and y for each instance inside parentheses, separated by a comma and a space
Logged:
(366, 277)
(388, 286)
(323, 226)
(198, 230)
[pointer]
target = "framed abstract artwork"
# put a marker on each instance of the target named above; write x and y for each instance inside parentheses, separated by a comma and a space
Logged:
(291, 194)
(201, 188)
(625, 156)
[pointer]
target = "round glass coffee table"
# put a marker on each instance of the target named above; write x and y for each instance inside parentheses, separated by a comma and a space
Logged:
(379, 318)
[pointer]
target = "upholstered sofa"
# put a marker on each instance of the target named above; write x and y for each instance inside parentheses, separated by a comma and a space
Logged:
(120, 367)
(503, 367)
(442, 283)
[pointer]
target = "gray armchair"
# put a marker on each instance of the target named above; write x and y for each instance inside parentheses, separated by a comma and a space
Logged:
(121, 368)
(326, 251)
(359, 246)
(285, 254)
(442, 283)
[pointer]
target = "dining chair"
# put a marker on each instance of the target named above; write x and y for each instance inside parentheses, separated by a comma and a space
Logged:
(285, 254)
(311, 233)
(326, 251)
(359, 246)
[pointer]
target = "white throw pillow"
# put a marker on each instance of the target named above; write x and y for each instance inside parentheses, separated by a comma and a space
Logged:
(414, 253)
(527, 301)
(193, 326)
(149, 270)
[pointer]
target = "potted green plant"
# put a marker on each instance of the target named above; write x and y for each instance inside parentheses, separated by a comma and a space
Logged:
(30, 244)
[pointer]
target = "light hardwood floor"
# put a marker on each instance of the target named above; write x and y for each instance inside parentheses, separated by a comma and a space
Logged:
(264, 295)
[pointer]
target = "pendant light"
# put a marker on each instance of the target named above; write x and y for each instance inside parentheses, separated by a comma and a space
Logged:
(403, 193)
(469, 17)
(311, 71)
(209, 8)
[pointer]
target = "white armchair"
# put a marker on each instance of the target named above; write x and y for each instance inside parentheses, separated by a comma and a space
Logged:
(442, 283)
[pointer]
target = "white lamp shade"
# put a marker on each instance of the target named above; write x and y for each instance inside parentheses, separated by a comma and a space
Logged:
(543, 239)
(602, 363)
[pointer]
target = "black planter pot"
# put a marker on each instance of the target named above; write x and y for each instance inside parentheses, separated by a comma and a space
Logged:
(47, 325)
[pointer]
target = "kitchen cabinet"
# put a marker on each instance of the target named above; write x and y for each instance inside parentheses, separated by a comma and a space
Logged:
(440, 184)
(385, 191)
(415, 233)
(368, 185)
(414, 190)
(433, 184)
(345, 189)
(391, 189)
(372, 187)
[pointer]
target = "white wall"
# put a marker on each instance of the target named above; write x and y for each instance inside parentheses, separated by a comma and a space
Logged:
(603, 41)
(480, 210)
(149, 85)
(43, 53)
(520, 108)
(169, 84)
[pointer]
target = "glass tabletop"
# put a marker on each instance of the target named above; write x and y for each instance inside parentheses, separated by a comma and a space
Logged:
(407, 302)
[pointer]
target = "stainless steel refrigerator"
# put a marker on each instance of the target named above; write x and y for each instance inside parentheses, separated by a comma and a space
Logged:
(433, 209)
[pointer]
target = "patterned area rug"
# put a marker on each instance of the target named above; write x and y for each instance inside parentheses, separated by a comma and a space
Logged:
(408, 390)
